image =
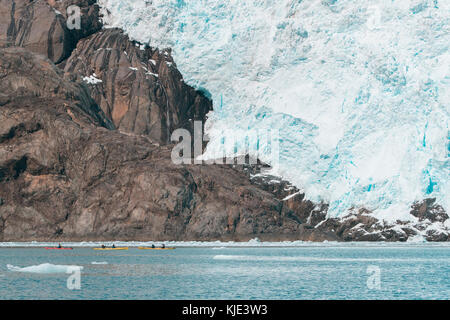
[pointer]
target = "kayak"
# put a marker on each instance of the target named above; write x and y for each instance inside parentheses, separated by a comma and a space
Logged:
(122, 248)
(150, 248)
(56, 248)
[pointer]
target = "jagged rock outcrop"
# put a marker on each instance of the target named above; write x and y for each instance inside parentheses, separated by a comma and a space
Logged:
(89, 16)
(432, 223)
(308, 213)
(36, 26)
(429, 210)
(139, 88)
(42, 26)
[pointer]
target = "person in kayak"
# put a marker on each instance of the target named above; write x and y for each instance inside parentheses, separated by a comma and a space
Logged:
(59, 246)
(163, 245)
(113, 245)
(153, 246)
(103, 246)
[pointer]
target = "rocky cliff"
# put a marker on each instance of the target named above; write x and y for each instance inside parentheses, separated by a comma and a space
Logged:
(139, 88)
(86, 117)
(65, 173)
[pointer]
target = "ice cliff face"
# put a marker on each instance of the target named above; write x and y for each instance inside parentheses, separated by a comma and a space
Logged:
(359, 90)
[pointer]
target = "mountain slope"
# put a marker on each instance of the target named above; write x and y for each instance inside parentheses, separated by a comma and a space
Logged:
(70, 169)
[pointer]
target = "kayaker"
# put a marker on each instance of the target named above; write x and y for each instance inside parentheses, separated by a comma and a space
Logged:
(59, 246)
(103, 246)
(113, 245)
(163, 245)
(153, 246)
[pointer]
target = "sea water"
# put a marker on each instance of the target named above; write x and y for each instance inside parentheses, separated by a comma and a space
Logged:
(227, 271)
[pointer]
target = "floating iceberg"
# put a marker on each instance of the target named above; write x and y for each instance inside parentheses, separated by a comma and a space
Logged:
(45, 268)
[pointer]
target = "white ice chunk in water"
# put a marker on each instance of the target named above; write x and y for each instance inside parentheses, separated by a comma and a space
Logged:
(44, 268)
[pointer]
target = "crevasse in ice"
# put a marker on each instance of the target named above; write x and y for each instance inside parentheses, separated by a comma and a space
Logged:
(359, 90)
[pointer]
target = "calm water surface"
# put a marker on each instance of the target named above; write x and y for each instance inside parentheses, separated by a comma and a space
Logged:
(315, 272)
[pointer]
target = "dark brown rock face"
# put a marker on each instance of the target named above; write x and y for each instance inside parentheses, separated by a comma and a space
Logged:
(65, 175)
(89, 16)
(36, 26)
(140, 90)
(42, 26)
(24, 75)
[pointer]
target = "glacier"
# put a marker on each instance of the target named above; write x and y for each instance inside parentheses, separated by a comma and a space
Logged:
(358, 91)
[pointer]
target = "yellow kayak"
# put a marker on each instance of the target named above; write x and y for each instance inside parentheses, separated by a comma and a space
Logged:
(122, 248)
(150, 248)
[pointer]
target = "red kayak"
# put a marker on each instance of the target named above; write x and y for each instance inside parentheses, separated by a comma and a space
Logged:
(56, 248)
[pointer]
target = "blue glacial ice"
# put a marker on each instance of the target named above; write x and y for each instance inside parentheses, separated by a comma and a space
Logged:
(359, 90)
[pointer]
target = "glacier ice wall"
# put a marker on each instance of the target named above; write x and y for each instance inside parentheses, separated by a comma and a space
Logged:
(359, 90)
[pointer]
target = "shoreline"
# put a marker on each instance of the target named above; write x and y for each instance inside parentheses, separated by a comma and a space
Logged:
(223, 245)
